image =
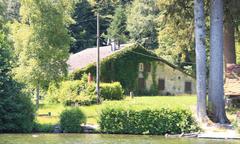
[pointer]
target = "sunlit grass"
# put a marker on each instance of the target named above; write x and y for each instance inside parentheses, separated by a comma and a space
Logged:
(92, 112)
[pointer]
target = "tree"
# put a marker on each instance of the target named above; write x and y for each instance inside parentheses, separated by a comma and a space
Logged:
(16, 110)
(141, 22)
(231, 19)
(176, 32)
(84, 30)
(200, 48)
(106, 9)
(117, 28)
(216, 91)
(42, 42)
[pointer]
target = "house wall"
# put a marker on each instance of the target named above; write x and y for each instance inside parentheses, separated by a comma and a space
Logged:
(174, 80)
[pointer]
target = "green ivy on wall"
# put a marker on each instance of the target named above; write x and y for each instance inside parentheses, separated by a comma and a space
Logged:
(122, 66)
(154, 86)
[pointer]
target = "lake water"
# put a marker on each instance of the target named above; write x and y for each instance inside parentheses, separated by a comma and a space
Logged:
(102, 139)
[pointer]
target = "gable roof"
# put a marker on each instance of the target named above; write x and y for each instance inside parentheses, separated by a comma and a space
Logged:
(87, 58)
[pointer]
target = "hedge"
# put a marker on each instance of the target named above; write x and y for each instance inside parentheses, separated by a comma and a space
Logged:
(71, 119)
(154, 122)
(82, 92)
(111, 91)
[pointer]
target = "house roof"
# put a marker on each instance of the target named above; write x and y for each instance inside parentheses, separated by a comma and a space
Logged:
(89, 56)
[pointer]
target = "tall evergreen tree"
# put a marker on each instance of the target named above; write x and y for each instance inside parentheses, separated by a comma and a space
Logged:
(84, 29)
(117, 28)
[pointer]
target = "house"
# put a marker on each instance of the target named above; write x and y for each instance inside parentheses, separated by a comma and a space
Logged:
(136, 68)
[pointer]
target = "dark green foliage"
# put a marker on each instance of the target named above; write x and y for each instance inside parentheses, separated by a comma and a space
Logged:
(16, 109)
(111, 91)
(121, 66)
(154, 122)
(117, 28)
(84, 30)
(71, 119)
(43, 128)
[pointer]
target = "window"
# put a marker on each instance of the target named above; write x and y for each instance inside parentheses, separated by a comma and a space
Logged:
(147, 67)
(161, 84)
(141, 83)
(141, 67)
(188, 87)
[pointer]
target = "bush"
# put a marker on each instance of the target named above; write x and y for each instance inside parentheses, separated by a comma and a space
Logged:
(16, 114)
(82, 92)
(111, 91)
(71, 119)
(78, 91)
(43, 128)
(16, 109)
(154, 122)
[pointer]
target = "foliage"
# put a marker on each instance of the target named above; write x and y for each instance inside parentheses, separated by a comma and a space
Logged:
(113, 68)
(43, 128)
(41, 41)
(141, 22)
(82, 92)
(117, 28)
(176, 32)
(2, 12)
(111, 91)
(84, 30)
(162, 121)
(71, 119)
(68, 92)
(16, 109)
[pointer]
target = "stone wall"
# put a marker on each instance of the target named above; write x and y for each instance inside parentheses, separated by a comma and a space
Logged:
(173, 78)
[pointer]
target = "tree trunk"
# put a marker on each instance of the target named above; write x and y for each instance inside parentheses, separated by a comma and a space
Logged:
(200, 36)
(229, 40)
(37, 95)
(216, 91)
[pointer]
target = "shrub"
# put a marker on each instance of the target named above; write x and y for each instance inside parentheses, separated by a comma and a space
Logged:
(82, 92)
(77, 91)
(155, 122)
(71, 119)
(16, 109)
(111, 91)
(16, 114)
(43, 128)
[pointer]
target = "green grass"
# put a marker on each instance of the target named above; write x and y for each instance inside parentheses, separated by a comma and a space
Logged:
(144, 102)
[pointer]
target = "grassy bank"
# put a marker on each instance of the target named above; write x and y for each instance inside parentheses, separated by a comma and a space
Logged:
(137, 103)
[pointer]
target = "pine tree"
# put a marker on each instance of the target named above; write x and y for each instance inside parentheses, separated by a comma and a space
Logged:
(117, 28)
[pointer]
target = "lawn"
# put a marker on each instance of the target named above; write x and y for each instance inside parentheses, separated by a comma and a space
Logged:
(92, 112)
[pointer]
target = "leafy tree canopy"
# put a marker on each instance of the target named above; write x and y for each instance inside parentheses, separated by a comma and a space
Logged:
(41, 41)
